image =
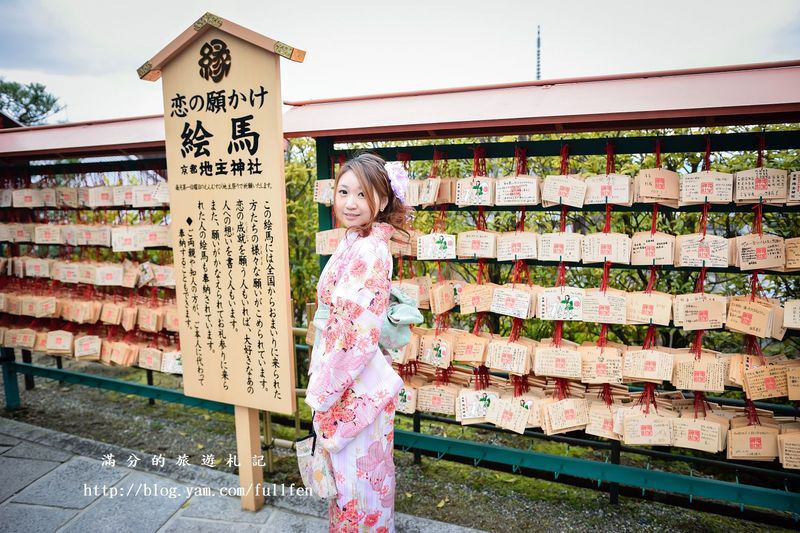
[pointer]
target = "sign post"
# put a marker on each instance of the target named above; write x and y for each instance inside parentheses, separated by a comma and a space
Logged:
(224, 143)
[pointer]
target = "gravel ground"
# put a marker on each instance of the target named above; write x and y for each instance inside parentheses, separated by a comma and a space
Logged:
(439, 490)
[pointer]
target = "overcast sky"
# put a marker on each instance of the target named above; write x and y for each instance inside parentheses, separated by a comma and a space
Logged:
(87, 51)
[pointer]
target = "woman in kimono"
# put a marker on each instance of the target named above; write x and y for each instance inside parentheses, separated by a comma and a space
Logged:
(352, 387)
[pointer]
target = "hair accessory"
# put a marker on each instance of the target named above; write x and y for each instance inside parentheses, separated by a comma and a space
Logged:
(398, 179)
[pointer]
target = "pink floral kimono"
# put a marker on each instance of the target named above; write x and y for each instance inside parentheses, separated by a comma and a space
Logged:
(353, 387)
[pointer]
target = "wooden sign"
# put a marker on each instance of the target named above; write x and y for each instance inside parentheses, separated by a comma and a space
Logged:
(224, 144)
(224, 141)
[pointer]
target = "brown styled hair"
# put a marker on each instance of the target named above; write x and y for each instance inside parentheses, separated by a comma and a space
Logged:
(370, 170)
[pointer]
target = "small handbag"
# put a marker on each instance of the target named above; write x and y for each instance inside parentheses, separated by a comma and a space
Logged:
(402, 313)
(315, 465)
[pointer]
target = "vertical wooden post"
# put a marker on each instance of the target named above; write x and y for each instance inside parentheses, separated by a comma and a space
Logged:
(150, 401)
(27, 358)
(10, 384)
(613, 488)
(417, 429)
(268, 441)
(248, 445)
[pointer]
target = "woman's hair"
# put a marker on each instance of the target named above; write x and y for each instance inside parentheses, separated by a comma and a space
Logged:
(371, 173)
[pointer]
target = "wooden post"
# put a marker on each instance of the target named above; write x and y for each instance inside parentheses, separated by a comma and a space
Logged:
(270, 441)
(248, 445)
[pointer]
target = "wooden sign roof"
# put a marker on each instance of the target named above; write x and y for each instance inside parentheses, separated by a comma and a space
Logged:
(151, 70)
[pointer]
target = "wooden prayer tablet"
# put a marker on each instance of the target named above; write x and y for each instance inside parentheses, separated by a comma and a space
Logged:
(67, 196)
(47, 234)
(25, 338)
(150, 358)
(793, 382)
(601, 420)
(447, 191)
(698, 250)
(605, 307)
(759, 252)
(561, 246)
(49, 197)
(436, 246)
(510, 301)
(29, 198)
(700, 311)
(698, 434)
(704, 374)
(87, 348)
(564, 415)
(648, 308)
(789, 450)
(109, 275)
(476, 298)
(600, 365)
(478, 191)
(793, 194)
(437, 399)
(442, 298)
(429, 191)
(327, 241)
(412, 192)
(407, 399)
(517, 190)
(557, 362)
(405, 245)
(792, 254)
(470, 348)
(508, 414)
(513, 245)
(791, 314)
(768, 381)
(123, 195)
(472, 405)
(99, 197)
(59, 342)
(164, 275)
(126, 239)
(614, 189)
(505, 356)
(706, 187)
(563, 190)
(657, 185)
(532, 403)
(561, 303)
(753, 443)
(647, 365)
(437, 350)
(647, 429)
(750, 317)
(143, 196)
(37, 268)
(769, 185)
(477, 243)
(606, 247)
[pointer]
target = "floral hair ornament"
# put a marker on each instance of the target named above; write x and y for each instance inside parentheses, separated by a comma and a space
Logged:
(398, 179)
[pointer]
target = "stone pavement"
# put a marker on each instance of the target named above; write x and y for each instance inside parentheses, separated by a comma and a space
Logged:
(51, 481)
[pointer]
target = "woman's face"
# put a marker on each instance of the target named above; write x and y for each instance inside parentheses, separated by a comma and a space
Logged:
(350, 203)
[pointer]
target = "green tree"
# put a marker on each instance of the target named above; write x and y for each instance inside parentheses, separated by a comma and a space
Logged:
(301, 211)
(29, 104)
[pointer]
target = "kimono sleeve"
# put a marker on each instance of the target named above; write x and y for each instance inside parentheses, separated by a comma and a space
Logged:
(350, 336)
